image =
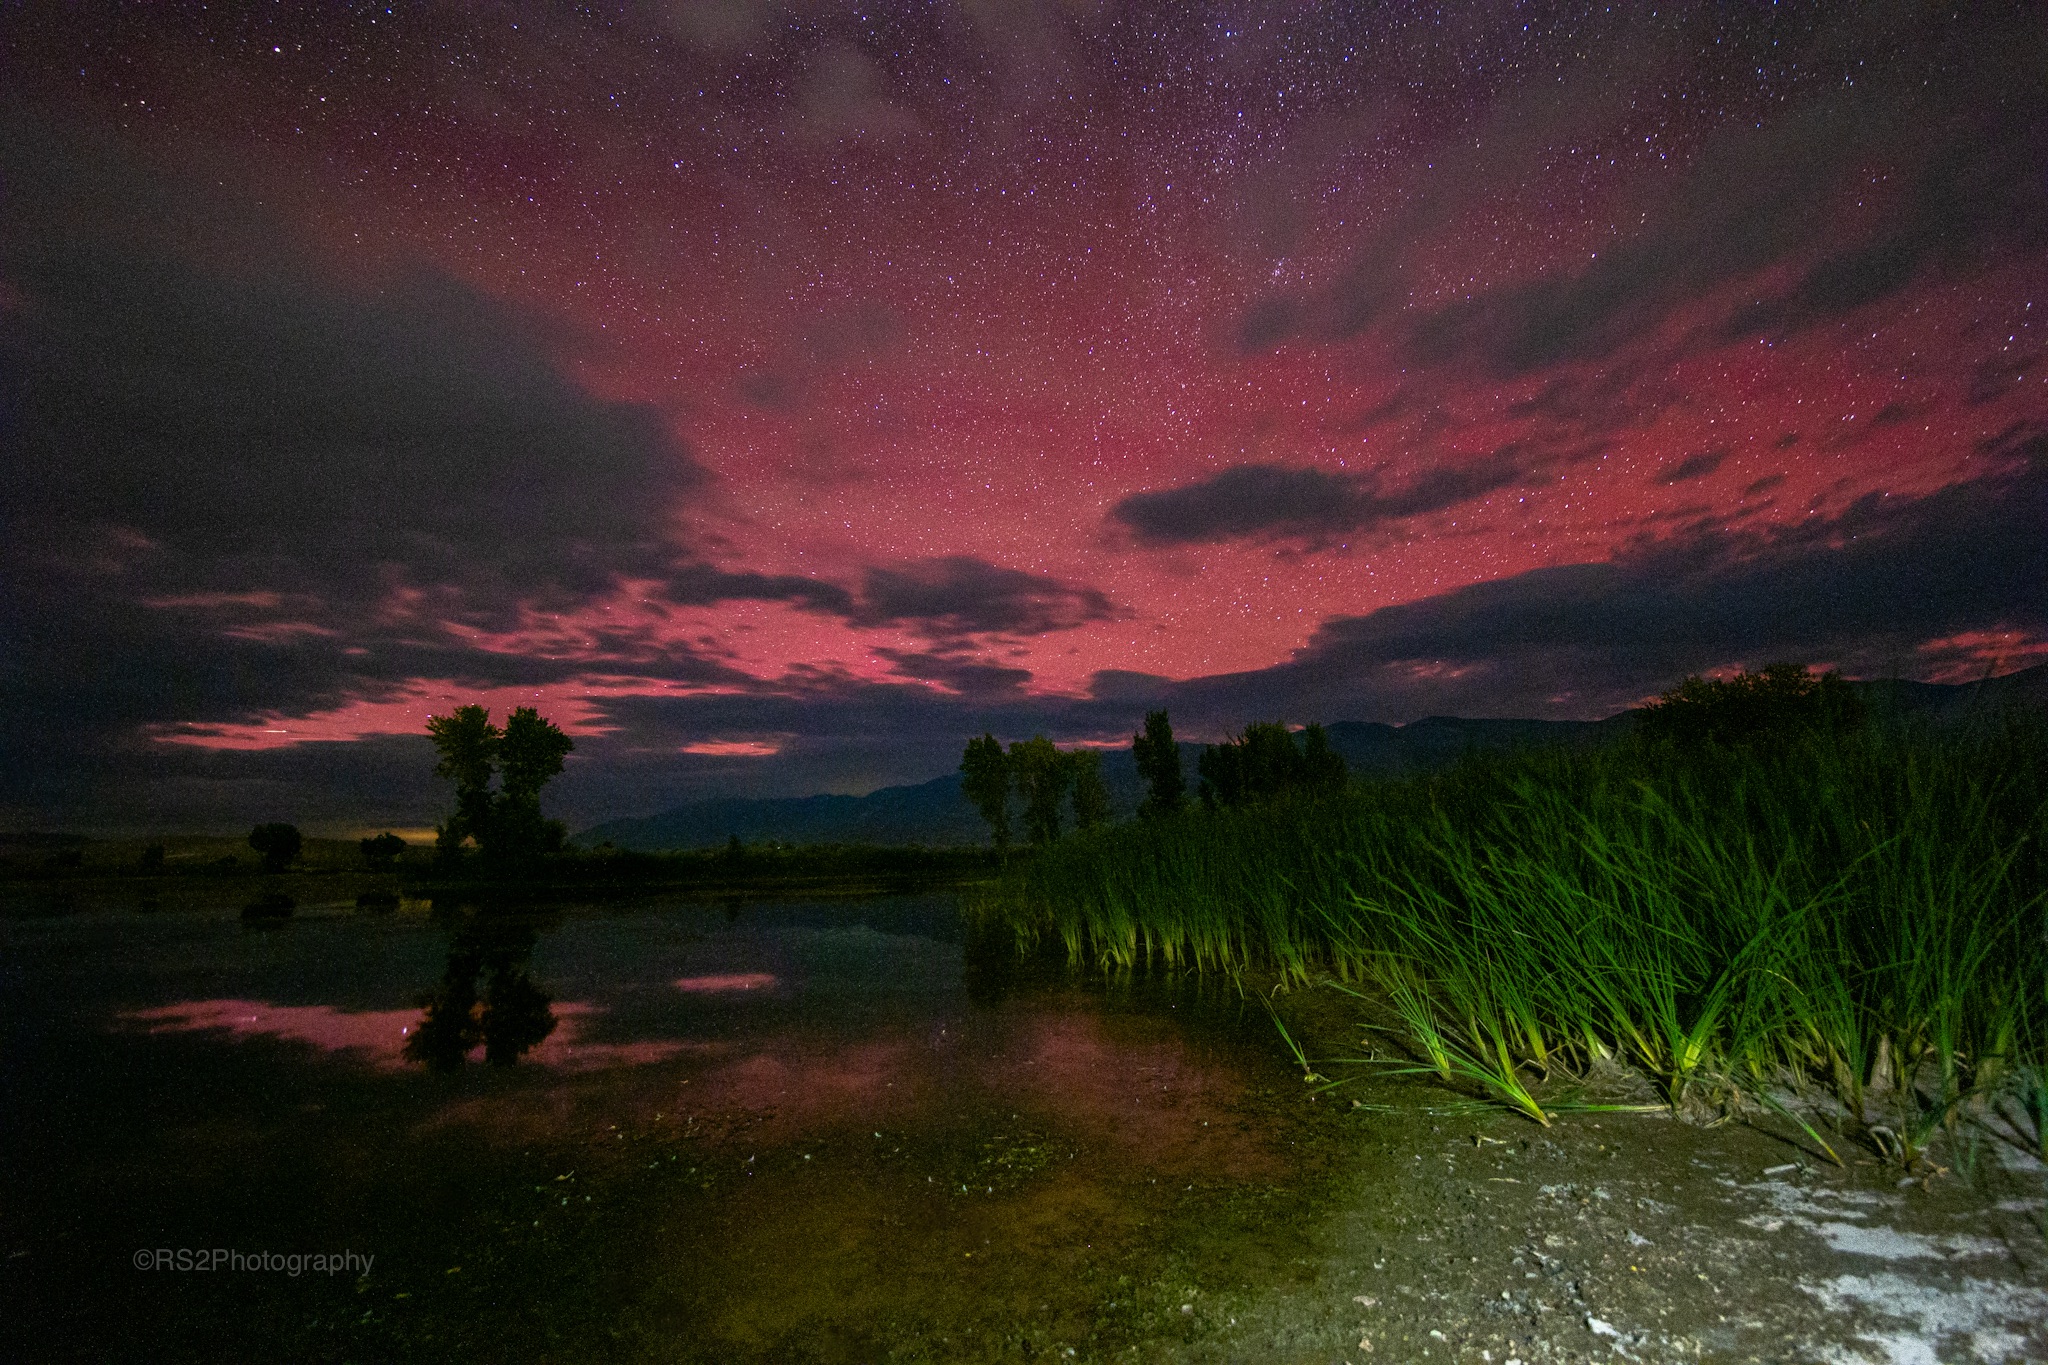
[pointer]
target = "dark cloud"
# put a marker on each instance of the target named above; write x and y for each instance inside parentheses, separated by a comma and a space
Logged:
(1245, 500)
(237, 486)
(964, 674)
(1695, 466)
(270, 431)
(2024, 440)
(704, 584)
(1279, 502)
(958, 596)
(1864, 590)
(770, 390)
(1980, 191)
(1999, 374)
(1270, 321)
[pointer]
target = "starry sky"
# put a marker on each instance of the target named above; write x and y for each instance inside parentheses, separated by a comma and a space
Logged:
(776, 394)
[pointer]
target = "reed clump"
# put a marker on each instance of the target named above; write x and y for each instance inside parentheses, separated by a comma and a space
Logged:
(1848, 927)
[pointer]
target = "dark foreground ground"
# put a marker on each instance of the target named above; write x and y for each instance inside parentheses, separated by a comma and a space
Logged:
(825, 1133)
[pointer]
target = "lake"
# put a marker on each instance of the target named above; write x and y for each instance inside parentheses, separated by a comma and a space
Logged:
(803, 1131)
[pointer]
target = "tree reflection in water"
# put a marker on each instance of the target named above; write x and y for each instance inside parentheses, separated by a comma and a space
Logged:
(486, 995)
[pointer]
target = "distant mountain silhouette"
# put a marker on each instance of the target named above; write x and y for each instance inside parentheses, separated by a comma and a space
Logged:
(935, 812)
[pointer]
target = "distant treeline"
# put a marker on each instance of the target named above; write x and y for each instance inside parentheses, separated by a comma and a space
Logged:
(1265, 761)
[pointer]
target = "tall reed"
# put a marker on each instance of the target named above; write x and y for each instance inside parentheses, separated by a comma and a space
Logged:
(1864, 914)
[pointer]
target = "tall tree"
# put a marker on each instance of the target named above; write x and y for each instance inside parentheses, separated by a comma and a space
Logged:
(1158, 757)
(507, 823)
(1043, 775)
(1091, 794)
(468, 745)
(985, 781)
(530, 753)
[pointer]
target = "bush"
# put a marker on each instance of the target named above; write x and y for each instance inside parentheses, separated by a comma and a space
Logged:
(381, 851)
(1782, 704)
(278, 843)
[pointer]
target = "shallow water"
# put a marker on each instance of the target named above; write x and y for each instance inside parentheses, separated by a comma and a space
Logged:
(803, 1131)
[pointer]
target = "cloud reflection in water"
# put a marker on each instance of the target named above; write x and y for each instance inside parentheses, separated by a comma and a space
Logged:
(379, 1036)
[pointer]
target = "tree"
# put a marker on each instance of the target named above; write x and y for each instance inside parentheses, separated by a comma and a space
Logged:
(1158, 759)
(1780, 704)
(506, 824)
(381, 851)
(1322, 768)
(1091, 794)
(278, 843)
(1043, 775)
(985, 781)
(530, 753)
(468, 745)
(1265, 762)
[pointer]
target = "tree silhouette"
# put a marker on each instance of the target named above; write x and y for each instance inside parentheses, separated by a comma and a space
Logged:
(1265, 762)
(530, 754)
(1043, 775)
(1779, 704)
(1322, 768)
(1091, 794)
(985, 781)
(381, 851)
(1158, 759)
(468, 745)
(506, 824)
(278, 843)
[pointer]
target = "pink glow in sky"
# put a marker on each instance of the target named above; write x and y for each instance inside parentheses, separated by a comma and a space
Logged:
(781, 400)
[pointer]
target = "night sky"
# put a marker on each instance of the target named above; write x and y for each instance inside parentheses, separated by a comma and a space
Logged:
(777, 394)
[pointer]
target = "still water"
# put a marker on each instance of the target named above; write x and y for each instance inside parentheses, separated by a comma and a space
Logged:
(828, 1131)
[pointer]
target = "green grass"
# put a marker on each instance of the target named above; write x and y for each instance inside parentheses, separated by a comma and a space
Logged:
(1856, 924)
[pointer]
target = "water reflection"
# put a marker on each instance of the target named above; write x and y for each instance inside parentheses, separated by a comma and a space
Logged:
(808, 1019)
(726, 982)
(486, 996)
(379, 1036)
